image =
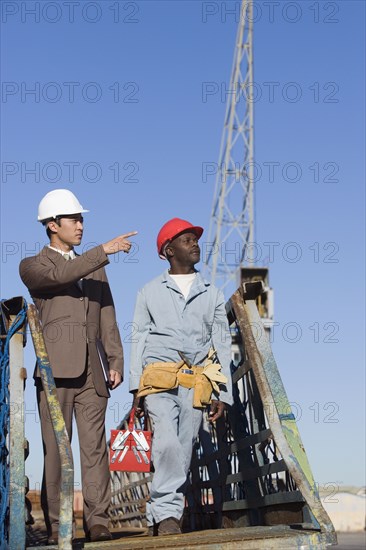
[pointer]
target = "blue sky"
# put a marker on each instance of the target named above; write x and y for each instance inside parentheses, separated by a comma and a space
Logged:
(119, 115)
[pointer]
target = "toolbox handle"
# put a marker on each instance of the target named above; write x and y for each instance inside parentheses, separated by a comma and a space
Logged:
(131, 421)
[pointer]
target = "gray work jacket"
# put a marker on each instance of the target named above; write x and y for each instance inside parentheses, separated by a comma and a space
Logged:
(165, 322)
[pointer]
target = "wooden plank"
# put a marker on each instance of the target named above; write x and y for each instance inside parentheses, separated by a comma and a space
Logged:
(276, 537)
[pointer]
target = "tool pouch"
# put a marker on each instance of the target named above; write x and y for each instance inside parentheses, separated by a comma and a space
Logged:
(202, 391)
(158, 377)
(186, 380)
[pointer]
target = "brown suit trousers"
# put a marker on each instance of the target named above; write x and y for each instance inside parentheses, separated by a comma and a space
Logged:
(80, 398)
(73, 315)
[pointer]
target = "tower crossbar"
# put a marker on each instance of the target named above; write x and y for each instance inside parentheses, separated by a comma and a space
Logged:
(231, 227)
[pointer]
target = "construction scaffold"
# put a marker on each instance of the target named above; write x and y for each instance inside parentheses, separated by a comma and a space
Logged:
(249, 480)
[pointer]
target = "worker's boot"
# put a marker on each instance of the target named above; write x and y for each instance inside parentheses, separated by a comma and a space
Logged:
(169, 526)
(153, 530)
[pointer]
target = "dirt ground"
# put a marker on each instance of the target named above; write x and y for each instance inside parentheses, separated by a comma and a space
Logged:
(351, 541)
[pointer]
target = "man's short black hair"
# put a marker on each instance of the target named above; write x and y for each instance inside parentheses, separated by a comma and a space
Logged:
(47, 221)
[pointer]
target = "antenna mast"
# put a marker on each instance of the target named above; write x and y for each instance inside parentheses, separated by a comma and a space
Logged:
(232, 217)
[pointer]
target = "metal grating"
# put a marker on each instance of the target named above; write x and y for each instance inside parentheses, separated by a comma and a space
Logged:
(251, 468)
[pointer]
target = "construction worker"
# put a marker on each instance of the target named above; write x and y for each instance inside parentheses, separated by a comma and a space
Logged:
(76, 309)
(182, 337)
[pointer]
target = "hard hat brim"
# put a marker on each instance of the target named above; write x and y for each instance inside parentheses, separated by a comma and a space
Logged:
(63, 214)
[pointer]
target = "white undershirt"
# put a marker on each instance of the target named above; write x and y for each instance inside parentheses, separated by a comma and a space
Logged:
(184, 282)
(71, 253)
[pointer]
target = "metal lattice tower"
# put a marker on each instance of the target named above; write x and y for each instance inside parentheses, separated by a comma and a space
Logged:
(232, 218)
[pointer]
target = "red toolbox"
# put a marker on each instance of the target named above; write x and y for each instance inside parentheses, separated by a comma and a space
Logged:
(130, 450)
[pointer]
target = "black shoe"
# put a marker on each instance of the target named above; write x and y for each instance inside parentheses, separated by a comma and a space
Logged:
(169, 526)
(53, 538)
(98, 533)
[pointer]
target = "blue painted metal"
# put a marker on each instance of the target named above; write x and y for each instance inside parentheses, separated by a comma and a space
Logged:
(12, 480)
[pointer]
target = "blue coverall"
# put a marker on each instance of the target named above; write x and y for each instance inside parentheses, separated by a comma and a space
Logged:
(165, 323)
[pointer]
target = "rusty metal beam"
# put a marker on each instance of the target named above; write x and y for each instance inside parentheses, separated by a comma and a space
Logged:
(62, 438)
(277, 407)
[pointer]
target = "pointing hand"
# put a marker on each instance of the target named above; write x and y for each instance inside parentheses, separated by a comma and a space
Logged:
(119, 244)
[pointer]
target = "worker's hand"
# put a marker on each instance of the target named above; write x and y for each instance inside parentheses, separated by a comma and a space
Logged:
(138, 405)
(115, 379)
(216, 410)
(119, 244)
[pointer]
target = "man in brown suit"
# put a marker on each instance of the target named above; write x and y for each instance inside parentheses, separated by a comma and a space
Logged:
(76, 308)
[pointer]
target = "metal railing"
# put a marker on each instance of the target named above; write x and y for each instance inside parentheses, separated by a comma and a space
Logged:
(13, 444)
(251, 468)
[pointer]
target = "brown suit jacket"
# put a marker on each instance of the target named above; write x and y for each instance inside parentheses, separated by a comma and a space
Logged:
(72, 317)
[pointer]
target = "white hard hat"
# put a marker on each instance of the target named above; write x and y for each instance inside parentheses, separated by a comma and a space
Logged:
(59, 202)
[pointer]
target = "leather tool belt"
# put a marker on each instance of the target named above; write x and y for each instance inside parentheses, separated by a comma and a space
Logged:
(159, 377)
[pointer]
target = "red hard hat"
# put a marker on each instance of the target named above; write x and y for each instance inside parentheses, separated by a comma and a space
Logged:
(172, 229)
